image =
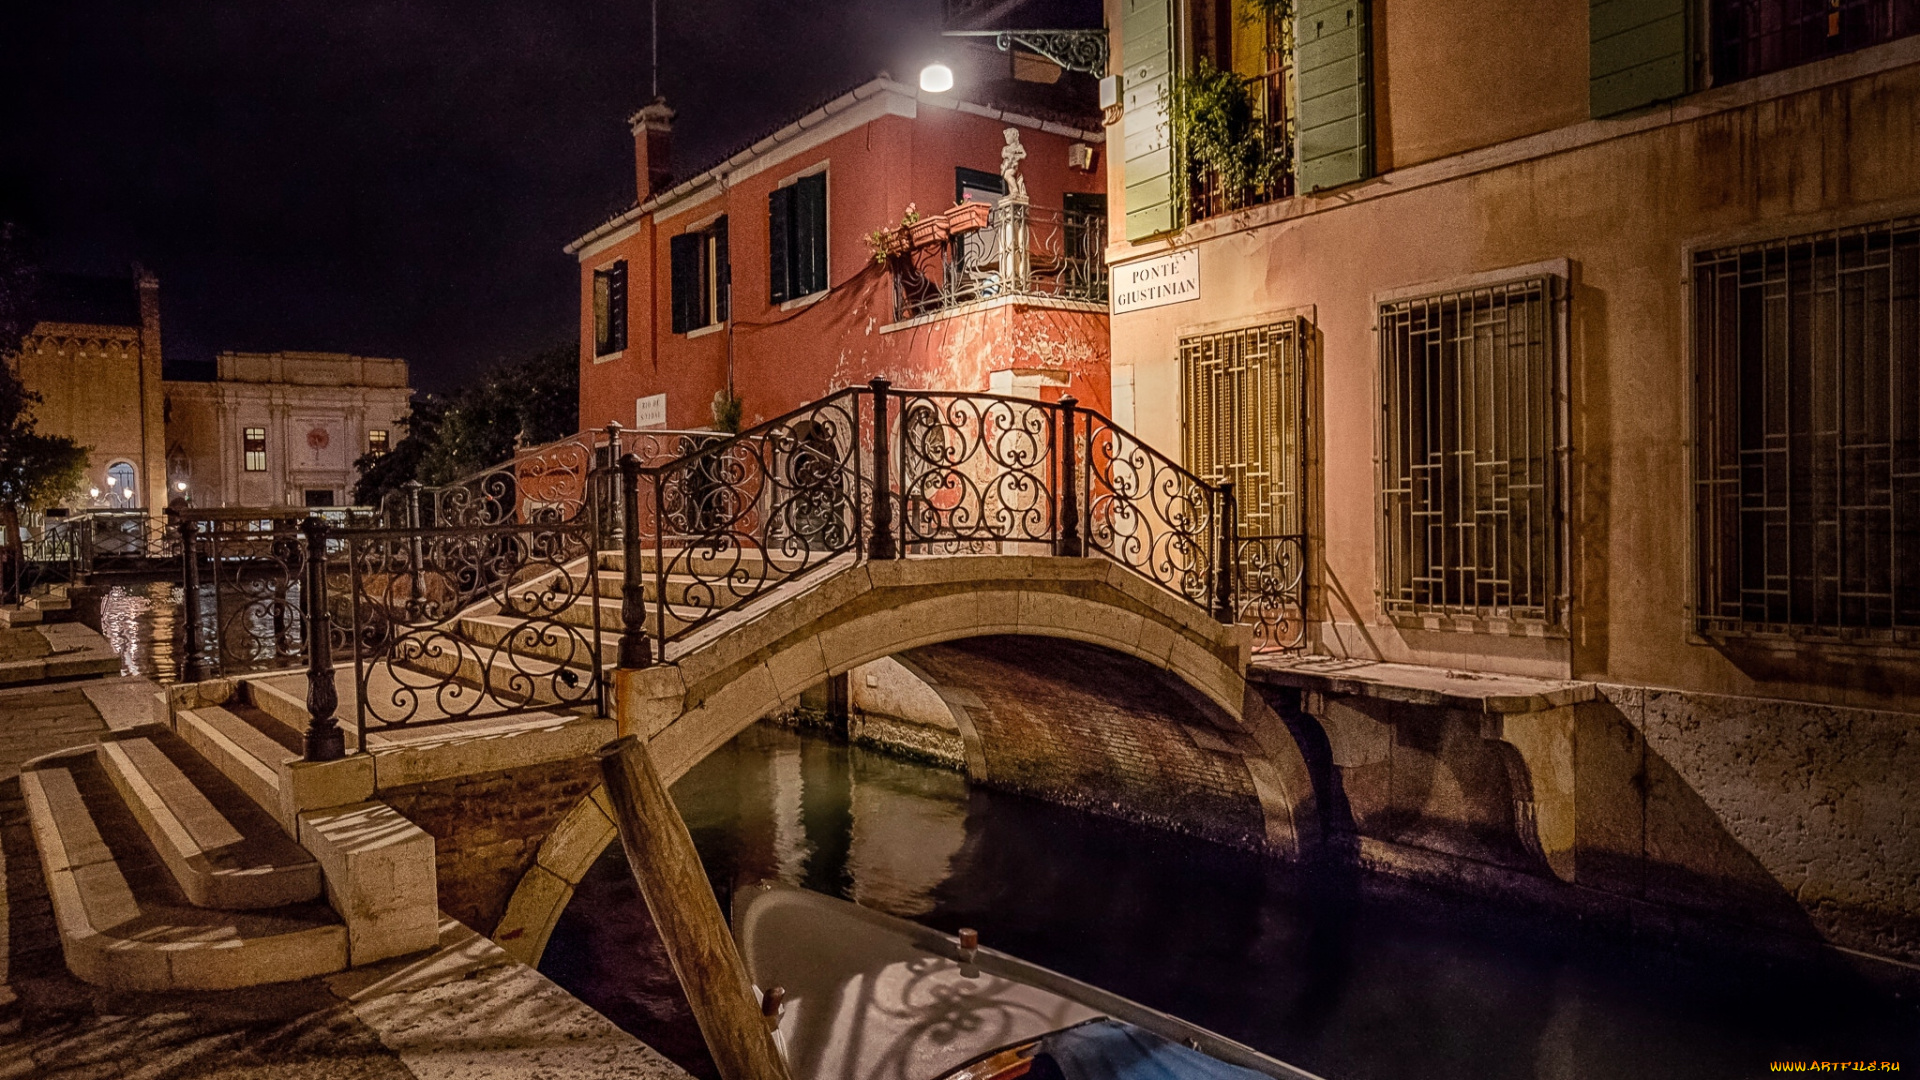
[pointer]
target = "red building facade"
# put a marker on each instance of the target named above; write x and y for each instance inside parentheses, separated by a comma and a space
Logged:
(790, 271)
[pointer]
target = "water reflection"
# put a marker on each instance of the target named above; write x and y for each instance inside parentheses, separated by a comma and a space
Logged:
(1352, 977)
(140, 622)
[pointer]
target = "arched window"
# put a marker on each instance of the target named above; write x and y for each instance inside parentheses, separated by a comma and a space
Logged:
(122, 490)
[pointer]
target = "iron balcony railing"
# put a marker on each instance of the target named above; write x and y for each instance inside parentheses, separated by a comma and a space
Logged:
(452, 621)
(973, 253)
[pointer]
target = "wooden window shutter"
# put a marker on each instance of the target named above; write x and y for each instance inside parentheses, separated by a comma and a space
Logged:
(602, 312)
(617, 307)
(810, 234)
(722, 272)
(1331, 63)
(780, 245)
(685, 253)
(1146, 36)
(1638, 53)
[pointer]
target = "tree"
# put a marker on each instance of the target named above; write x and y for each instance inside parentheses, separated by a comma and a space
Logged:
(35, 469)
(536, 398)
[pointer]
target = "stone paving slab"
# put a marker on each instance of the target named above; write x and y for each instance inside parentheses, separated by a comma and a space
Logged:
(466, 1010)
(62, 651)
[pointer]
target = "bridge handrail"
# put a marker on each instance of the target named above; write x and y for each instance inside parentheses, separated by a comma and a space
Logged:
(709, 521)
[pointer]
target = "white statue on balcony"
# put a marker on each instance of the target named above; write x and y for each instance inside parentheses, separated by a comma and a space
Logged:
(1011, 155)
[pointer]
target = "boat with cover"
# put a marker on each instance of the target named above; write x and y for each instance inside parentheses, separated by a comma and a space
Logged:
(868, 996)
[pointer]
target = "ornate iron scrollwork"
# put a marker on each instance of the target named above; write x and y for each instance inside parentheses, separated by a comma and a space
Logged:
(1074, 50)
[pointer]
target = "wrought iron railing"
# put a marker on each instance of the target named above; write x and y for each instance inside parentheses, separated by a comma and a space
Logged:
(551, 482)
(458, 623)
(1269, 590)
(243, 574)
(454, 622)
(1013, 250)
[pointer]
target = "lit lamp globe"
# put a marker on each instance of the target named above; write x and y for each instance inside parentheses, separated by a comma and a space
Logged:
(936, 78)
(95, 492)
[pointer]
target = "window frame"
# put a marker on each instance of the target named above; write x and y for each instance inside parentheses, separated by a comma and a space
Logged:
(248, 450)
(783, 258)
(710, 306)
(1786, 637)
(379, 441)
(1557, 620)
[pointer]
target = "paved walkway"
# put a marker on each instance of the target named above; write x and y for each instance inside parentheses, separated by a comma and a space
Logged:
(465, 1012)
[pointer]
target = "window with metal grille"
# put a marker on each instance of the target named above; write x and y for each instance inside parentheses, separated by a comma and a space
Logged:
(1245, 417)
(1808, 411)
(1753, 37)
(1471, 444)
(254, 446)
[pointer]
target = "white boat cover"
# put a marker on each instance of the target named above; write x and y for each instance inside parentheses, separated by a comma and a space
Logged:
(866, 1003)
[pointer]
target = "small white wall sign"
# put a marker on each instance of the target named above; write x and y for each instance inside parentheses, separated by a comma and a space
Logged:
(1151, 283)
(650, 411)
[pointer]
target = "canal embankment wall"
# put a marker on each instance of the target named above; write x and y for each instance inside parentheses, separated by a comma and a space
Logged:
(1783, 824)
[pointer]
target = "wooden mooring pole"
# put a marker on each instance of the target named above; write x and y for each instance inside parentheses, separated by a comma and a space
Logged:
(674, 885)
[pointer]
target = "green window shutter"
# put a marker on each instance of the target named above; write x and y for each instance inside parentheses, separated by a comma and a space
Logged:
(722, 272)
(617, 307)
(810, 234)
(684, 252)
(780, 245)
(1638, 51)
(1331, 64)
(1146, 46)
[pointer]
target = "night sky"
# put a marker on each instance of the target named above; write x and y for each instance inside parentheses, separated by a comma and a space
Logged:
(392, 179)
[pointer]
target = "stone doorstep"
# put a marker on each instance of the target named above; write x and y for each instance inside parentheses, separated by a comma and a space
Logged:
(222, 850)
(11, 616)
(1419, 685)
(123, 922)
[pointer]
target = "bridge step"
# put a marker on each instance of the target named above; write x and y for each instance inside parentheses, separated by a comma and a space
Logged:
(534, 639)
(124, 921)
(247, 756)
(706, 562)
(224, 850)
(680, 588)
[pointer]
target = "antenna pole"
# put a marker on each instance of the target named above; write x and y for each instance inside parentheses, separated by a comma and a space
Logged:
(654, 40)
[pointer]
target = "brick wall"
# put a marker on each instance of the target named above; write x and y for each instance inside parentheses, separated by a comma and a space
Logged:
(488, 827)
(1080, 725)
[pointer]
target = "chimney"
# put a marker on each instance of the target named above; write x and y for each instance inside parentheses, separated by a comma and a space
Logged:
(652, 147)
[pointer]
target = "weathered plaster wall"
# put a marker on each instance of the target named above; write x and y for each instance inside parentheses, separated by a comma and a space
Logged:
(1623, 204)
(1690, 810)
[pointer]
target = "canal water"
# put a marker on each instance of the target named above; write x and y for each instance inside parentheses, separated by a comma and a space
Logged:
(1353, 977)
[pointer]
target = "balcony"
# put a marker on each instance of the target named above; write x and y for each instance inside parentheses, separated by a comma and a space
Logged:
(975, 252)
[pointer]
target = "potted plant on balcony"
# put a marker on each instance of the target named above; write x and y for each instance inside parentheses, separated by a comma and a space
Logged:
(968, 216)
(896, 241)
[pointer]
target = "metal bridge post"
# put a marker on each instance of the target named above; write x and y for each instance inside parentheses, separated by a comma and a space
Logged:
(325, 741)
(1070, 542)
(416, 594)
(635, 652)
(1223, 564)
(193, 667)
(616, 509)
(880, 545)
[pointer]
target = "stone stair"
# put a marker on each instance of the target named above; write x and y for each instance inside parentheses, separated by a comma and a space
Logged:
(122, 902)
(203, 854)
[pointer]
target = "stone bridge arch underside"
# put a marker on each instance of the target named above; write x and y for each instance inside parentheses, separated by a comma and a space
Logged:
(1070, 679)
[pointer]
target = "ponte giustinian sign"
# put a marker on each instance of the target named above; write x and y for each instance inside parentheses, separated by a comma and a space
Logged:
(1150, 283)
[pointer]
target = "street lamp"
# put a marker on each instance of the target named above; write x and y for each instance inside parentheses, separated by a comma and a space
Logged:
(180, 485)
(936, 78)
